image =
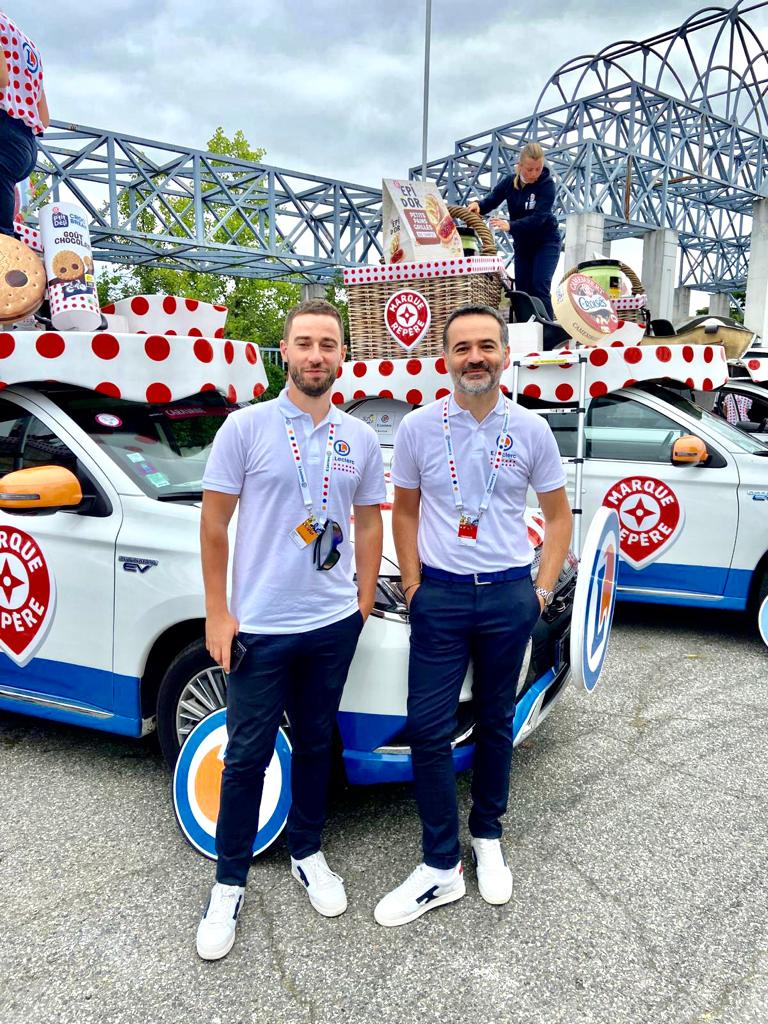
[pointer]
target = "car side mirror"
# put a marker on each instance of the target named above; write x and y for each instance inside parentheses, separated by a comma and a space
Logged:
(40, 487)
(689, 450)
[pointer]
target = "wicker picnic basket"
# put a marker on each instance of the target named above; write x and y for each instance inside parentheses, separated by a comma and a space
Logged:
(368, 334)
(639, 315)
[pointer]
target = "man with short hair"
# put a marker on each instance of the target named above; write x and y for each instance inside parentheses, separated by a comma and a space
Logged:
(297, 466)
(461, 468)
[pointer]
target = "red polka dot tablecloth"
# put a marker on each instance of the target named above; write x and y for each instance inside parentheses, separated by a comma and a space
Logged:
(30, 236)
(757, 365)
(554, 379)
(140, 368)
(416, 269)
(169, 314)
(625, 302)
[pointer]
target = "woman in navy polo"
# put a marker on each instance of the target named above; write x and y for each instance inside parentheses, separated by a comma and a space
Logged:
(530, 196)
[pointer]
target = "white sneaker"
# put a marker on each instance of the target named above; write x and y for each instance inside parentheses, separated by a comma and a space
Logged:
(216, 931)
(420, 892)
(494, 879)
(324, 888)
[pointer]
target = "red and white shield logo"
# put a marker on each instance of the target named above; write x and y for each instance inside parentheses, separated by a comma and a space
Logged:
(650, 517)
(27, 595)
(407, 316)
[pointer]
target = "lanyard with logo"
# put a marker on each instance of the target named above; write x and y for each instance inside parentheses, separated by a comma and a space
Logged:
(313, 526)
(469, 522)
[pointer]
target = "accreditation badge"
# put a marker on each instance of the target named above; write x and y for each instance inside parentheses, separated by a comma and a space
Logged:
(307, 532)
(467, 531)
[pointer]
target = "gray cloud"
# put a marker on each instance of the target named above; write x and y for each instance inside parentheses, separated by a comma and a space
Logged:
(329, 87)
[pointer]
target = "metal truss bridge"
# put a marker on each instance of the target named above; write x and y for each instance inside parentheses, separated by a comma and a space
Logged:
(667, 132)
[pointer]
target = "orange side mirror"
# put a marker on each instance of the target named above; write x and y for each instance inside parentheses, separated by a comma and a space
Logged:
(689, 450)
(40, 487)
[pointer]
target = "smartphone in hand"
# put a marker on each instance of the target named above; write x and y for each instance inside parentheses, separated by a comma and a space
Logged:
(236, 654)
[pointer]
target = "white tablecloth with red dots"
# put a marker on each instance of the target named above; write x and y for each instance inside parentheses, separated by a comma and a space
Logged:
(155, 368)
(553, 378)
(757, 367)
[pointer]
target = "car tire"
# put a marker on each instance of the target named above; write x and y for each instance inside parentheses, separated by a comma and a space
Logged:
(193, 687)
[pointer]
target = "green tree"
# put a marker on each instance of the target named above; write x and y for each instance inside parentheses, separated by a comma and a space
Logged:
(257, 308)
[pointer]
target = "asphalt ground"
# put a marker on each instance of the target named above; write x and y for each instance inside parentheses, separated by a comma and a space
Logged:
(637, 830)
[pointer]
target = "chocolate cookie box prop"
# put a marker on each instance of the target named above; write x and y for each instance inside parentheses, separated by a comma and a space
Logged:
(69, 266)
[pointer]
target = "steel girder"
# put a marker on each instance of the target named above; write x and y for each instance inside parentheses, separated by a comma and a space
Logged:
(150, 202)
(643, 159)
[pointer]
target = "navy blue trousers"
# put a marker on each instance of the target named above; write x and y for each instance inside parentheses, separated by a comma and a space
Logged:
(303, 674)
(534, 269)
(452, 623)
(18, 155)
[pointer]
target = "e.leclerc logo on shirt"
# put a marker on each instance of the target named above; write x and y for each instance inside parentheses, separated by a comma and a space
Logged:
(30, 58)
(505, 442)
(650, 517)
(27, 595)
(407, 317)
(342, 448)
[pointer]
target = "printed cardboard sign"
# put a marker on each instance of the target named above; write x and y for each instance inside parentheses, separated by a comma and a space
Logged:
(650, 517)
(416, 222)
(407, 316)
(27, 595)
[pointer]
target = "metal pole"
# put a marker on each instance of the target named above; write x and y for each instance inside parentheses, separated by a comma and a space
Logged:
(427, 34)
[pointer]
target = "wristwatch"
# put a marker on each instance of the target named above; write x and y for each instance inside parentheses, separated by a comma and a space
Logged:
(548, 595)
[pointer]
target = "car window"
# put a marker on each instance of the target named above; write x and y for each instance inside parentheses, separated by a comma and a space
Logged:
(617, 428)
(162, 448)
(26, 441)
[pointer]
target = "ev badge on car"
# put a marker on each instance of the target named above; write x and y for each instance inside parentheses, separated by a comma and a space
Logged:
(594, 599)
(197, 782)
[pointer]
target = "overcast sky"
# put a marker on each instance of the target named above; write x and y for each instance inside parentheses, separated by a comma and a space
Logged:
(330, 87)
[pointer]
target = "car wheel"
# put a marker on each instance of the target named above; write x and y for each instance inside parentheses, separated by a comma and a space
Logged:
(193, 687)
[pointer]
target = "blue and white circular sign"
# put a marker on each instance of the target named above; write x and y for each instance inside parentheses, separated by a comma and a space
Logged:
(595, 599)
(762, 620)
(197, 783)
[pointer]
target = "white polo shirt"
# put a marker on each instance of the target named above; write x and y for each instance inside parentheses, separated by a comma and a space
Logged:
(420, 460)
(275, 586)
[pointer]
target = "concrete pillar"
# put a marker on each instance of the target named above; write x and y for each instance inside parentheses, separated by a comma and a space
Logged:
(659, 267)
(681, 308)
(584, 236)
(756, 307)
(719, 304)
(312, 291)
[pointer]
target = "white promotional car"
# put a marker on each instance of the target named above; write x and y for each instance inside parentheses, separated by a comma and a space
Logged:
(101, 596)
(693, 517)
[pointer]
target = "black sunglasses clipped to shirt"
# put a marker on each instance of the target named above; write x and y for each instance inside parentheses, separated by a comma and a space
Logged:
(326, 550)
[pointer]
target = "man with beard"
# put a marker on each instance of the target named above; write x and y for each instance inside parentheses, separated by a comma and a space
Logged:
(462, 467)
(297, 466)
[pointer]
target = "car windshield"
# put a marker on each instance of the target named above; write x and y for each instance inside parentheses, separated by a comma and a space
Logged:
(731, 435)
(162, 448)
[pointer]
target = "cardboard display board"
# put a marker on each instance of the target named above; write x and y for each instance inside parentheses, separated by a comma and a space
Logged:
(416, 222)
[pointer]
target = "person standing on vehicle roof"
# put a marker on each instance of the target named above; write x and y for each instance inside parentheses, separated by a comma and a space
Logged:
(461, 469)
(530, 197)
(23, 114)
(296, 466)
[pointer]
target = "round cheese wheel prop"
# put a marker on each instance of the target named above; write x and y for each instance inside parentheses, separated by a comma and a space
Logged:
(69, 266)
(584, 309)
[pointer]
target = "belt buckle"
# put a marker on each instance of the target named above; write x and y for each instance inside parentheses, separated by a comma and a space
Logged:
(479, 582)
